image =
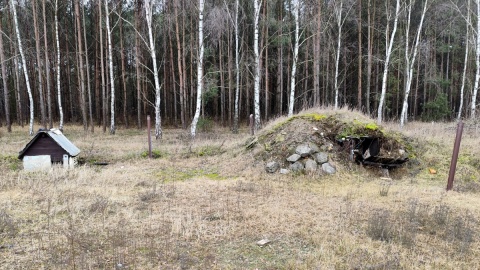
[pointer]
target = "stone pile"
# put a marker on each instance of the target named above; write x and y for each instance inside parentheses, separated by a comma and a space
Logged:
(308, 158)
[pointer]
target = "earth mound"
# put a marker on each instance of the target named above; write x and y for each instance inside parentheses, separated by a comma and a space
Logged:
(343, 138)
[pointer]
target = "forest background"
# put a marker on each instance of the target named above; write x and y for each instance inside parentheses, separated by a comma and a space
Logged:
(189, 63)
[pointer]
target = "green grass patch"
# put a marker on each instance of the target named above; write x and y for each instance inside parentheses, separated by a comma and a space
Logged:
(175, 174)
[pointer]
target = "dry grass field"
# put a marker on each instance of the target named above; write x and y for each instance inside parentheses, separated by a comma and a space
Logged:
(205, 205)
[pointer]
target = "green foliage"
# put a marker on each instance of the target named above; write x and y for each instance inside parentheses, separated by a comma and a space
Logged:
(156, 153)
(437, 109)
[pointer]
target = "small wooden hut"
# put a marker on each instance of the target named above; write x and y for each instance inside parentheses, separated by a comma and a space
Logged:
(48, 147)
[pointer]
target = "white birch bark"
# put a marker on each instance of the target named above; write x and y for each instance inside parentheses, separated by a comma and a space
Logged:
(256, 102)
(57, 69)
(389, 46)
(110, 65)
(338, 15)
(477, 65)
(158, 120)
(291, 101)
(410, 57)
(465, 64)
(24, 65)
(193, 127)
(237, 70)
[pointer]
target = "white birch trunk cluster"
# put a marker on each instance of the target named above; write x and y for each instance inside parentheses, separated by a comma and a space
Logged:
(256, 50)
(410, 57)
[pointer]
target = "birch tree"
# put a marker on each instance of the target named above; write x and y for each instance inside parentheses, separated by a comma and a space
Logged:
(199, 68)
(57, 69)
(24, 65)
(6, 95)
(473, 104)
(110, 65)
(338, 9)
(410, 56)
(388, 53)
(296, 8)
(256, 50)
(465, 62)
(237, 69)
(151, 47)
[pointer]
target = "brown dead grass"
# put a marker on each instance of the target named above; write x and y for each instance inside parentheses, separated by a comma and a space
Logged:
(205, 204)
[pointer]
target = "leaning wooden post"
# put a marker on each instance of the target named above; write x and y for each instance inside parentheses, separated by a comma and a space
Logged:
(456, 149)
(252, 125)
(149, 137)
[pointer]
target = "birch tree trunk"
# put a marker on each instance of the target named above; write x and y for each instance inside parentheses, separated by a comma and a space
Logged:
(24, 66)
(199, 68)
(110, 64)
(256, 102)
(102, 70)
(338, 15)
(369, 57)
(389, 46)
(39, 65)
(477, 65)
(465, 64)
(6, 94)
(180, 68)
(57, 69)
(291, 101)
(158, 120)
(237, 70)
(410, 57)
(360, 55)
(47, 68)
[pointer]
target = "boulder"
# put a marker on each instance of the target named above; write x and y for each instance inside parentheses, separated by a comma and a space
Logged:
(321, 157)
(293, 158)
(296, 167)
(328, 168)
(306, 149)
(272, 167)
(310, 165)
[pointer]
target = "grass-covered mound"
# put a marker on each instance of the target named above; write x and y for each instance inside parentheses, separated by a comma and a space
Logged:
(330, 132)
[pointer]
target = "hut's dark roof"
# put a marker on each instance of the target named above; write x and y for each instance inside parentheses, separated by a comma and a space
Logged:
(58, 137)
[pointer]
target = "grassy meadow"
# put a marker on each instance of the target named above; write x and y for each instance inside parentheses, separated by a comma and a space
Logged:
(205, 204)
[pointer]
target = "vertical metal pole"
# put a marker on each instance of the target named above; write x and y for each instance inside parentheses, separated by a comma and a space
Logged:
(252, 125)
(456, 149)
(149, 137)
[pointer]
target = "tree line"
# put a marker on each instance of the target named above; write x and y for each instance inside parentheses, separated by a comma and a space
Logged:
(111, 62)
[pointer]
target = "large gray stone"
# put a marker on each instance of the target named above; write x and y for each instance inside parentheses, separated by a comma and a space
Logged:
(296, 167)
(321, 157)
(272, 166)
(293, 158)
(306, 149)
(328, 168)
(310, 165)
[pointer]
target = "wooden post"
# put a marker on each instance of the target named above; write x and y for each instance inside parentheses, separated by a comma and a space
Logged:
(456, 149)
